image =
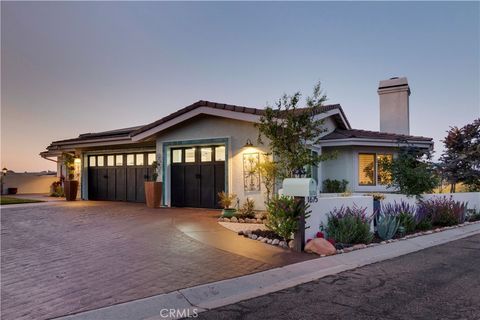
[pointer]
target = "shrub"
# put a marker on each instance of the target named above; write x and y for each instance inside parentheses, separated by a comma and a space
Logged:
(247, 210)
(387, 226)
(226, 199)
(349, 225)
(472, 215)
(442, 212)
(56, 189)
(334, 186)
(405, 214)
(284, 214)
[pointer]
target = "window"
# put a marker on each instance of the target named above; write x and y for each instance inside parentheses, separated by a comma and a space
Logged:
(366, 169)
(110, 161)
(370, 172)
(100, 161)
(119, 160)
(384, 177)
(220, 153)
(92, 161)
(130, 160)
(190, 155)
(177, 156)
(206, 154)
(151, 158)
(139, 157)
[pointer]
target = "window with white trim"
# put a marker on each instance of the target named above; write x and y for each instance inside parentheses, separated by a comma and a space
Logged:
(370, 172)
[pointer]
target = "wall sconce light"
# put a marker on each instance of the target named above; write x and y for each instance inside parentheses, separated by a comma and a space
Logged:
(77, 160)
(248, 144)
(4, 171)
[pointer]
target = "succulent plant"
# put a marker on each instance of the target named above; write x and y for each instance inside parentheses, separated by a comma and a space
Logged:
(387, 226)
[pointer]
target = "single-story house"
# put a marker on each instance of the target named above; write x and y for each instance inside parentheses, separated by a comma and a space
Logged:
(208, 147)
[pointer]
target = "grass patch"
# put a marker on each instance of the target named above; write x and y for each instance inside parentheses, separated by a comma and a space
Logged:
(12, 200)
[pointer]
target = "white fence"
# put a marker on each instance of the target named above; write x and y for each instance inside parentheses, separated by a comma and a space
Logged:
(472, 198)
(321, 206)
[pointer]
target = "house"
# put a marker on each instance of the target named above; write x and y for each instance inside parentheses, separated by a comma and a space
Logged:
(209, 147)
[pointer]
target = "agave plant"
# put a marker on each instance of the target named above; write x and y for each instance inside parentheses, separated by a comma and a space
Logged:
(387, 226)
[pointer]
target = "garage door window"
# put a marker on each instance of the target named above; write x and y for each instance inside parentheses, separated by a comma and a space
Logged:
(110, 161)
(119, 160)
(206, 154)
(100, 161)
(220, 153)
(190, 155)
(130, 160)
(177, 156)
(151, 158)
(139, 159)
(92, 161)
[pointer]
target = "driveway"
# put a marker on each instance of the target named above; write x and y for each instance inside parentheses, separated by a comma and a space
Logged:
(68, 257)
(441, 282)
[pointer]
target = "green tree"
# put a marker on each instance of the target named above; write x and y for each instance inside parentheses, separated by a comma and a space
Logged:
(460, 162)
(291, 131)
(412, 171)
(268, 170)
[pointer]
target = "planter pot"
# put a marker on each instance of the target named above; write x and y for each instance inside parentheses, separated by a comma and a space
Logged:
(153, 194)
(12, 190)
(71, 190)
(228, 213)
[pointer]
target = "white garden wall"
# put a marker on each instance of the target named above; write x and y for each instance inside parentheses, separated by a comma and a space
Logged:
(472, 198)
(323, 205)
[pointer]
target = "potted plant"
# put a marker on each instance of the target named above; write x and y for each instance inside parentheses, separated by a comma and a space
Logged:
(153, 189)
(70, 184)
(225, 201)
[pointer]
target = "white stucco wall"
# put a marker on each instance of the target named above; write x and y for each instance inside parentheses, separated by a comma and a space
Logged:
(472, 198)
(321, 209)
(29, 182)
(209, 127)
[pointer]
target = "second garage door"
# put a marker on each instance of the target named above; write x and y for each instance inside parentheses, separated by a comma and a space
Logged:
(119, 177)
(197, 176)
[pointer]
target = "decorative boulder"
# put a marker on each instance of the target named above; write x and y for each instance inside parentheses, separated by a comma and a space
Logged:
(233, 219)
(320, 246)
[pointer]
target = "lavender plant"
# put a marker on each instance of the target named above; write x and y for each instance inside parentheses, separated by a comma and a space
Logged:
(441, 212)
(349, 225)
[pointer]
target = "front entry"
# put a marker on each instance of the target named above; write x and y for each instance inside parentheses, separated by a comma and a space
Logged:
(197, 176)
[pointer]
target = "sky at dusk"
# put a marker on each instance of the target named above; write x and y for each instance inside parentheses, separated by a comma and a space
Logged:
(71, 68)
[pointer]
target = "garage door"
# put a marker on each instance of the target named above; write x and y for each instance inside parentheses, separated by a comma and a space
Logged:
(119, 177)
(197, 176)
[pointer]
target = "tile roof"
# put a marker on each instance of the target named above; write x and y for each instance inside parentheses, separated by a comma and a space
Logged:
(365, 134)
(131, 131)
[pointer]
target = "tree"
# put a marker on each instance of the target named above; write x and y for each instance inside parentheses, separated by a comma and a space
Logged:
(291, 131)
(412, 171)
(268, 170)
(461, 158)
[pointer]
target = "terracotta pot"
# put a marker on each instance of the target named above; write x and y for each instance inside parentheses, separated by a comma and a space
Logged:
(153, 194)
(71, 189)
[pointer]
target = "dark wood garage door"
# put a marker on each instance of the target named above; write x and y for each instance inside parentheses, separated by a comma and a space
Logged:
(119, 177)
(197, 176)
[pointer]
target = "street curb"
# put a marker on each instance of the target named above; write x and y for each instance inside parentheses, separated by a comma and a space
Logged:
(217, 294)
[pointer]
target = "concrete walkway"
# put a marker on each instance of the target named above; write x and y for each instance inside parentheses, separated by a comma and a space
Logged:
(203, 297)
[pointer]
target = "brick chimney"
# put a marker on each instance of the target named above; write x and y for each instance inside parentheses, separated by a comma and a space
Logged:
(394, 105)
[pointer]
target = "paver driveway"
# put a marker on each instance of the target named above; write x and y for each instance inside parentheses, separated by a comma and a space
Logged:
(64, 258)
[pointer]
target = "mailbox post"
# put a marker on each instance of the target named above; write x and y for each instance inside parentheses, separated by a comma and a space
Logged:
(299, 188)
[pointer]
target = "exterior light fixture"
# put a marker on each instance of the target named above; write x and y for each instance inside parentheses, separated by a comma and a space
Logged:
(248, 144)
(77, 160)
(4, 171)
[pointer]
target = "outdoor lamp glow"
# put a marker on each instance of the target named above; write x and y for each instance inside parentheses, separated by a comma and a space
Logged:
(77, 160)
(4, 171)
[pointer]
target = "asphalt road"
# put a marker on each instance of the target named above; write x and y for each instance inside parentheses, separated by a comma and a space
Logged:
(442, 282)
